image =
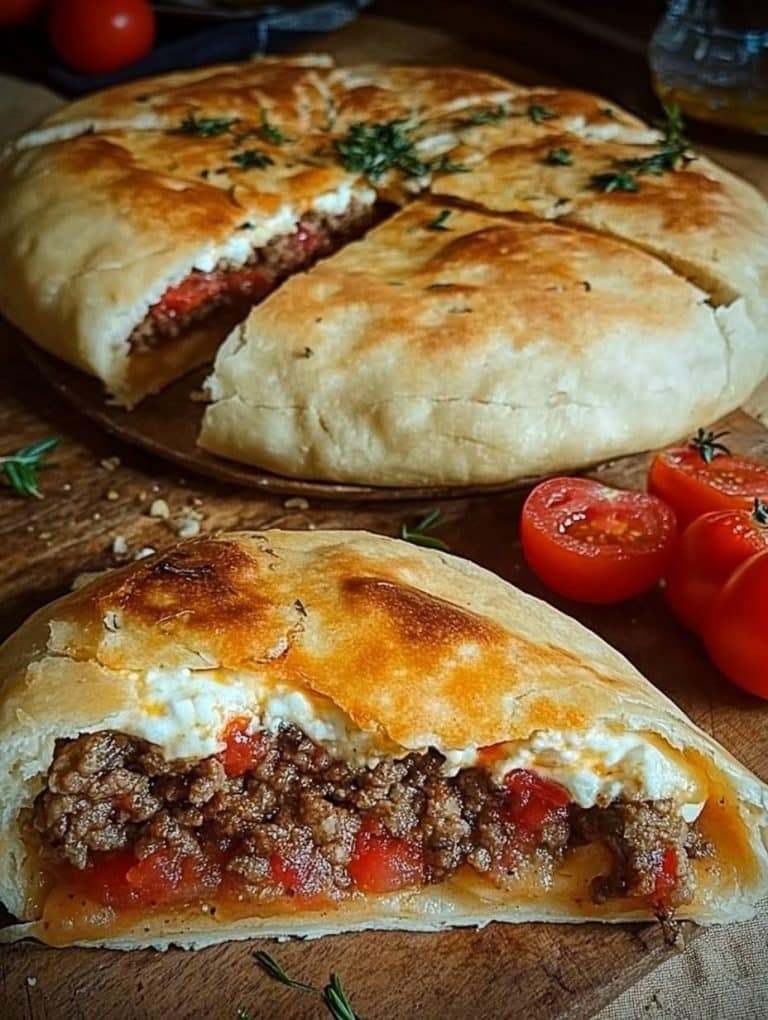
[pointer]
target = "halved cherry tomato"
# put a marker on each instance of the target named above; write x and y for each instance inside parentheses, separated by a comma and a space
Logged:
(710, 549)
(592, 543)
(736, 630)
(98, 36)
(533, 800)
(706, 476)
(243, 750)
(382, 863)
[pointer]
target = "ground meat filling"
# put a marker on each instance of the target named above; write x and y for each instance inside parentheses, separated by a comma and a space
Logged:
(233, 289)
(296, 820)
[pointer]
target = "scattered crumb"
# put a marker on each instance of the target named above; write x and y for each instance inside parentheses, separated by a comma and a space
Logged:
(31, 981)
(187, 523)
(160, 509)
(119, 546)
(44, 535)
(30, 527)
(112, 495)
(155, 487)
(111, 463)
(197, 501)
(66, 487)
(296, 503)
(198, 397)
(146, 550)
(96, 516)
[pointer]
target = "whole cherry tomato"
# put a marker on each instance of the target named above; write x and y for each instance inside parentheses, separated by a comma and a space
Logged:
(593, 543)
(706, 476)
(710, 549)
(98, 36)
(736, 631)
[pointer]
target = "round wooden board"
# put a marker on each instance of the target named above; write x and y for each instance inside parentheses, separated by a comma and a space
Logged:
(168, 424)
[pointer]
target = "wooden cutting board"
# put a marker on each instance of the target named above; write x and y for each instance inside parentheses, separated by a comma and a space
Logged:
(539, 971)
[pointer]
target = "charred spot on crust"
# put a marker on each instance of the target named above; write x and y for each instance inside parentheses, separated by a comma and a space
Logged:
(418, 616)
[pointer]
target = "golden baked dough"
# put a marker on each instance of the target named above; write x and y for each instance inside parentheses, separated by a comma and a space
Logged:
(120, 199)
(387, 649)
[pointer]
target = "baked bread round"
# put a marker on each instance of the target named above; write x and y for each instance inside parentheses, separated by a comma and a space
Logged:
(554, 283)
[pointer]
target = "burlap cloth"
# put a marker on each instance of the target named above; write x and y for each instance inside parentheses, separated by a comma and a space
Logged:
(723, 974)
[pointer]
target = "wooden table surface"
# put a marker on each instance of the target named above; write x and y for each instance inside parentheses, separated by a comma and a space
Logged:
(90, 500)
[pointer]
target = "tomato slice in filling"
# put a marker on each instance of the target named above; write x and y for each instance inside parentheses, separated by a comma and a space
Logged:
(243, 750)
(532, 801)
(383, 863)
(198, 288)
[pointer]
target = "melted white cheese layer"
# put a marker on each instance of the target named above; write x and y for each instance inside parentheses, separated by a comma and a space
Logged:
(186, 712)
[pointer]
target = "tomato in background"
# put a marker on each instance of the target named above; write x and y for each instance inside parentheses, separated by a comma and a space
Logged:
(710, 549)
(98, 36)
(706, 476)
(16, 12)
(596, 544)
(736, 631)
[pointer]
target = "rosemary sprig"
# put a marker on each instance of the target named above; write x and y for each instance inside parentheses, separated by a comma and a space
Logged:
(271, 967)
(337, 1001)
(252, 159)
(667, 158)
(205, 127)
(559, 157)
(269, 132)
(20, 468)
(418, 534)
(538, 114)
(438, 223)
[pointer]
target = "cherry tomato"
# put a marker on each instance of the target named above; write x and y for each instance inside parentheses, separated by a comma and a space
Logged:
(98, 36)
(592, 543)
(736, 630)
(15, 12)
(710, 549)
(383, 863)
(243, 750)
(533, 801)
(706, 476)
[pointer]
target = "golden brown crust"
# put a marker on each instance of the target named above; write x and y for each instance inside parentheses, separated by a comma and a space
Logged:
(417, 648)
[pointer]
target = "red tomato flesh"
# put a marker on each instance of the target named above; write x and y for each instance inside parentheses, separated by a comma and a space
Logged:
(666, 876)
(693, 485)
(382, 863)
(198, 288)
(99, 36)
(592, 543)
(736, 630)
(533, 801)
(244, 750)
(710, 549)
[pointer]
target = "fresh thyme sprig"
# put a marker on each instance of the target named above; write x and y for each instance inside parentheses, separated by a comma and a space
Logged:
(20, 468)
(418, 534)
(559, 157)
(373, 149)
(333, 993)
(666, 159)
(252, 159)
(269, 132)
(538, 114)
(271, 967)
(337, 1001)
(486, 116)
(205, 127)
(439, 222)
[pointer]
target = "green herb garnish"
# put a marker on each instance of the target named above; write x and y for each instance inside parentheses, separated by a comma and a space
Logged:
(268, 132)
(418, 533)
(444, 166)
(438, 223)
(243, 1014)
(614, 181)
(20, 468)
(271, 967)
(559, 157)
(486, 116)
(205, 127)
(337, 1001)
(373, 149)
(252, 159)
(538, 114)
